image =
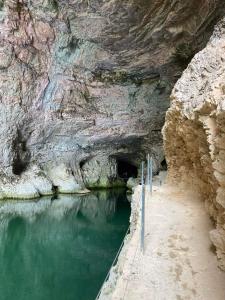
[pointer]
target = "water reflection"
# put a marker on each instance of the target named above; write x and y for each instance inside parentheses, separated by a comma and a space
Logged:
(97, 206)
(62, 248)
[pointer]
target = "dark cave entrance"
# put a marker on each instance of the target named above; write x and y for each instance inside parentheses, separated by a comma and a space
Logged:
(18, 166)
(164, 165)
(21, 155)
(126, 169)
(82, 163)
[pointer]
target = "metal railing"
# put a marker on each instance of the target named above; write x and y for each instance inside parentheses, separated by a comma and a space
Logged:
(113, 263)
(142, 208)
(149, 172)
(148, 183)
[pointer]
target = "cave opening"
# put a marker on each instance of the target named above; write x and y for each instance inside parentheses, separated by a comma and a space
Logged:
(18, 166)
(21, 157)
(126, 169)
(82, 163)
(164, 165)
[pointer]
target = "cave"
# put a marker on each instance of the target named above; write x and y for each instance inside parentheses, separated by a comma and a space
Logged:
(164, 165)
(126, 169)
(21, 154)
(82, 163)
(18, 166)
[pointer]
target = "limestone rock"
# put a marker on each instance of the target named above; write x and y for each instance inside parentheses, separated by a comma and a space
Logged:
(101, 172)
(20, 190)
(63, 179)
(132, 182)
(194, 131)
(83, 79)
(31, 184)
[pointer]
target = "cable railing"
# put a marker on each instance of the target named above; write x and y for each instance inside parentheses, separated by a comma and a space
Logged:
(147, 182)
(113, 263)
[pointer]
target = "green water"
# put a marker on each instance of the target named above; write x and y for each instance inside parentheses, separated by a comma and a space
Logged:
(60, 249)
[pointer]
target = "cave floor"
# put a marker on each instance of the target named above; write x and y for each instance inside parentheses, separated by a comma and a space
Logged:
(178, 262)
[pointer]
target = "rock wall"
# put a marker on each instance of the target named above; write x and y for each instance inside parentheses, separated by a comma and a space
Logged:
(84, 81)
(194, 132)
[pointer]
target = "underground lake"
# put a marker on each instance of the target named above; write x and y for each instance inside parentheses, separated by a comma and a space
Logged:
(60, 248)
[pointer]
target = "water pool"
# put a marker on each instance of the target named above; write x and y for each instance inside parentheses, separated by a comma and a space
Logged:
(60, 249)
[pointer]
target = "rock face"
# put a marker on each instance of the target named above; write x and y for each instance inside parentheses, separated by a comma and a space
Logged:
(194, 132)
(86, 81)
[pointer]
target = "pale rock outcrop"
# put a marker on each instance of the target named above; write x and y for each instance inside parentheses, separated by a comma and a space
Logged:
(132, 183)
(194, 132)
(81, 79)
(62, 177)
(33, 183)
(101, 172)
(40, 181)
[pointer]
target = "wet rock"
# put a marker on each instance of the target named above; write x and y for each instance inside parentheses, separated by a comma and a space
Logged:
(132, 182)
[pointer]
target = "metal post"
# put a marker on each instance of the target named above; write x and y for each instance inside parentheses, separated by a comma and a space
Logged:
(142, 173)
(142, 207)
(148, 170)
(151, 173)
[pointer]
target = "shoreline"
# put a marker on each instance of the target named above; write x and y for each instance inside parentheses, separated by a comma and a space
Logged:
(111, 285)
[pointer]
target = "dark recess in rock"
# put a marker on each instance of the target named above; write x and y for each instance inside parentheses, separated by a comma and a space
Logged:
(21, 157)
(18, 166)
(126, 169)
(164, 165)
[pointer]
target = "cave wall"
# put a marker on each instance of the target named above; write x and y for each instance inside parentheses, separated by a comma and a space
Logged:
(194, 132)
(84, 80)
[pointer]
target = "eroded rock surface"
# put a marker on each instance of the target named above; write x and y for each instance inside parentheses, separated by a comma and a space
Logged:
(84, 81)
(195, 132)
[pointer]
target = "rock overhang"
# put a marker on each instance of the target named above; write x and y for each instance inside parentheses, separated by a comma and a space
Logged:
(90, 79)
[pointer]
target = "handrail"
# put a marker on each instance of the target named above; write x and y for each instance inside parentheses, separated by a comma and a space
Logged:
(142, 204)
(113, 263)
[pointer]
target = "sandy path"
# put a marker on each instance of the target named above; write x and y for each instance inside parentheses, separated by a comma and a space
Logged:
(178, 262)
